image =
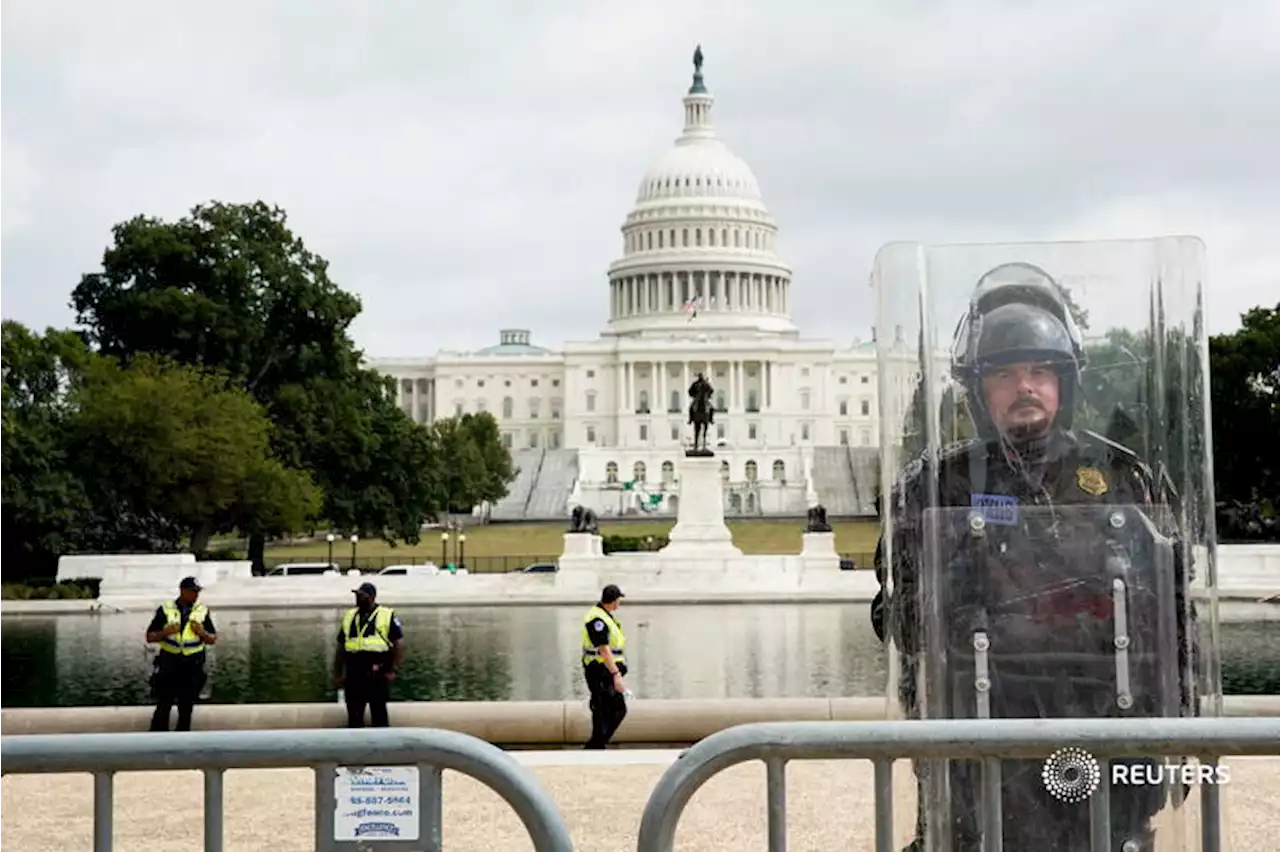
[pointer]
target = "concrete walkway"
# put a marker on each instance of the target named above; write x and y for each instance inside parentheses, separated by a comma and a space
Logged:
(600, 795)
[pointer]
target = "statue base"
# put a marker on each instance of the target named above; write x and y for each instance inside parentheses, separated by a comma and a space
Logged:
(582, 544)
(700, 530)
(703, 453)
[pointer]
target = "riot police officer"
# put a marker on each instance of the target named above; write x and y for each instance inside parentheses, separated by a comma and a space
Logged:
(1036, 573)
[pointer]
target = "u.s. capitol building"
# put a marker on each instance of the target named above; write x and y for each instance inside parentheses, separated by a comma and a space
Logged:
(700, 287)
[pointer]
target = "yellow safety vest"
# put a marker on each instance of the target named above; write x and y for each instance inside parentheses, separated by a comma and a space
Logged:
(375, 636)
(617, 641)
(185, 642)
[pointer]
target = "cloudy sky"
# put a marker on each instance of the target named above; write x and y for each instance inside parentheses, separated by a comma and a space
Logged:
(466, 166)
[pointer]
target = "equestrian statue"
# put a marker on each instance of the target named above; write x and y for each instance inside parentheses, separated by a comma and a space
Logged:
(701, 414)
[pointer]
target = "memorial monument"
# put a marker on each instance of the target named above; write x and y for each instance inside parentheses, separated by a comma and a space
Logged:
(700, 530)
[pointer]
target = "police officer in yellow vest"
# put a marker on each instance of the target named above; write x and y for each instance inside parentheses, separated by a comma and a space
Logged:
(182, 628)
(603, 665)
(370, 650)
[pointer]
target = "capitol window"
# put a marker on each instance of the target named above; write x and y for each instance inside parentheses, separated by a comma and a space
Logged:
(507, 407)
(638, 472)
(506, 440)
(675, 433)
(591, 434)
(611, 473)
(591, 401)
(804, 431)
(751, 471)
(804, 400)
(644, 431)
(534, 405)
(751, 431)
(668, 472)
(844, 407)
(866, 407)
(779, 470)
(844, 437)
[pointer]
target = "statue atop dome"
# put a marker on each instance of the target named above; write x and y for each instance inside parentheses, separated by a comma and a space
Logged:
(697, 88)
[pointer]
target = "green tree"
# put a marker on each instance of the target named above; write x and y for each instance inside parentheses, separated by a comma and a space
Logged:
(463, 470)
(231, 287)
(1245, 392)
(486, 437)
(161, 437)
(45, 506)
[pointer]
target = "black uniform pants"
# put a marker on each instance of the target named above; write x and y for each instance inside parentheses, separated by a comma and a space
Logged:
(371, 689)
(176, 682)
(608, 706)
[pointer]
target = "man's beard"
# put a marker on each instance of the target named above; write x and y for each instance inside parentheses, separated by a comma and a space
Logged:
(1028, 430)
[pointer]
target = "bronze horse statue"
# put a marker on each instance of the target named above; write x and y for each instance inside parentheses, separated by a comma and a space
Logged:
(701, 412)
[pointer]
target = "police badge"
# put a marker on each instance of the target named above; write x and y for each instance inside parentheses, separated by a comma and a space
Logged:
(1091, 481)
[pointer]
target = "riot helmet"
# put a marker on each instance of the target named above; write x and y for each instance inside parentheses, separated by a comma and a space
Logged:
(1017, 313)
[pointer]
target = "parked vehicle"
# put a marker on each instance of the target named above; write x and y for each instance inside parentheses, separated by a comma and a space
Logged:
(296, 569)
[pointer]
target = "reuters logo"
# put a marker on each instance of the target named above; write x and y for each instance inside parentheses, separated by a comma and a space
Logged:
(1071, 774)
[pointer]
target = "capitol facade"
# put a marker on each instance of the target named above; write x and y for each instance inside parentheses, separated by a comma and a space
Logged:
(699, 288)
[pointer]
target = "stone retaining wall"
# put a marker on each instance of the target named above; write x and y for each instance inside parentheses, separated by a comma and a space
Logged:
(667, 721)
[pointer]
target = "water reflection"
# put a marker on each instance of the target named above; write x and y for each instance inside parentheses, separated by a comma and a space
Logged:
(510, 653)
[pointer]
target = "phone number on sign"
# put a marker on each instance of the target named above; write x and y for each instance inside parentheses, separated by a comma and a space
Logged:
(379, 800)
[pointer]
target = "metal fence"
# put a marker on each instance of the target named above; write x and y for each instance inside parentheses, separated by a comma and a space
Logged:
(374, 564)
(776, 743)
(430, 751)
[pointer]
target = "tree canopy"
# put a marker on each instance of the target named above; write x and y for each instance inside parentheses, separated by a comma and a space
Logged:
(213, 387)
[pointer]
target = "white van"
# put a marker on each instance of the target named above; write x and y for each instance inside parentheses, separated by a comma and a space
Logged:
(298, 569)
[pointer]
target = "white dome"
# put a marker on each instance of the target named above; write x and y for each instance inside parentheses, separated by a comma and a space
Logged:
(699, 167)
(699, 245)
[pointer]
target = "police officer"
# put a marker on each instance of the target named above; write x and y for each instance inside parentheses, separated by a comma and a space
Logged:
(603, 666)
(1035, 570)
(182, 628)
(370, 650)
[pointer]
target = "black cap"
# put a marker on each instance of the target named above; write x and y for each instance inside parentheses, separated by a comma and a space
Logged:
(190, 583)
(367, 589)
(611, 593)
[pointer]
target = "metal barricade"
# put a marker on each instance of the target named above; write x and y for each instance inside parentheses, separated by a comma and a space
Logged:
(776, 743)
(324, 751)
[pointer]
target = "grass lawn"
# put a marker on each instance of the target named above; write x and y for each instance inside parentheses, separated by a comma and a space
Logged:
(546, 540)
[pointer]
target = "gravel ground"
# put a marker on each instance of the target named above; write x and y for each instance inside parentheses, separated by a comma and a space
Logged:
(829, 803)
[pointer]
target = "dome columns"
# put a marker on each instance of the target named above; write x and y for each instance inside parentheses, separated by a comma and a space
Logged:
(710, 291)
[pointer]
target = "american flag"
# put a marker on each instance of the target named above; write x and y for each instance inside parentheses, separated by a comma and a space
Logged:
(691, 307)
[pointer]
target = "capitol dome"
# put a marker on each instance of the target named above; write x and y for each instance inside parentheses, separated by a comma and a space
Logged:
(699, 244)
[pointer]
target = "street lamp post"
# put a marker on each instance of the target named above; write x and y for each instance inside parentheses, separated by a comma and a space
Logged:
(329, 538)
(354, 538)
(462, 550)
(444, 549)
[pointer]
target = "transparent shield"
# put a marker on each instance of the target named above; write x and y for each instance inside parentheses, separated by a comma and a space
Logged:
(1046, 455)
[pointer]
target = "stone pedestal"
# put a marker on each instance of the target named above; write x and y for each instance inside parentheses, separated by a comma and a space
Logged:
(700, 530)
(582, 544)
(819, 551)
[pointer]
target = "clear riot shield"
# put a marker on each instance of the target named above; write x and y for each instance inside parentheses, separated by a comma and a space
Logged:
(1047, 545)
